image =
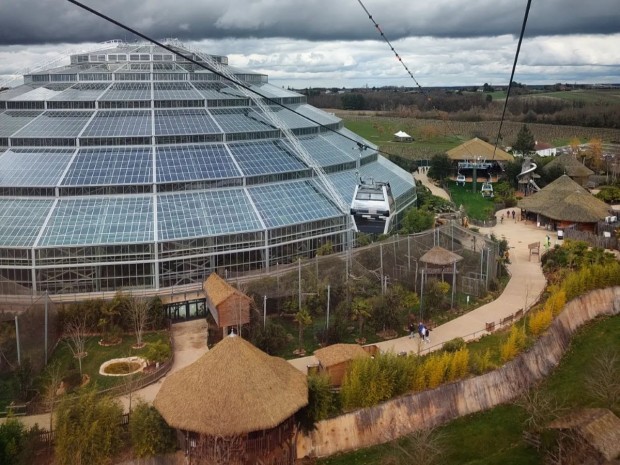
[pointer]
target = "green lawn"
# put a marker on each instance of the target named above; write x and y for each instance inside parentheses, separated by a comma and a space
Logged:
(476, 206)
(494, 437)
(584, 95)
(98, 354)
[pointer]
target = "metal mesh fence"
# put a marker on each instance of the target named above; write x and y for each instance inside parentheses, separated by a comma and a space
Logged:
(28, 333)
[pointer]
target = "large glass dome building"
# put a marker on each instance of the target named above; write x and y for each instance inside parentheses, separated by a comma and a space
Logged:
(131, 167)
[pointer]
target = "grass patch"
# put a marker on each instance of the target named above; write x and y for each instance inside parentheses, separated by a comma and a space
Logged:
(582, 95)
(98, 355)
(494, 437)
(476, 206)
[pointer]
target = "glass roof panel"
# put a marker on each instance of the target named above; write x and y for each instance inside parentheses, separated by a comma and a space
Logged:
(239, 120)
(21, 220)
(346, 145)
(291, 203)
(119, 123)
(56, 124)
(32, 167)
(289, 118)
(194, 162)
(13, 121)
(206, 213)
(40, 93)
(82, 92)
(273, 91)
(344, 182)
(111, 166)
(175, 91)
(323, 152)
(264, 157)
(316, 114)
(128, 91)
(181, 122)
(107, 220)
(8, 94)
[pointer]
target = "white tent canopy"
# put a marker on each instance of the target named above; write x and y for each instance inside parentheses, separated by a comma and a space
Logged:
(402, 134)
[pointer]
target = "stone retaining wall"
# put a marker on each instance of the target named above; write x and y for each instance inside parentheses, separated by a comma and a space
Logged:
(401, 416)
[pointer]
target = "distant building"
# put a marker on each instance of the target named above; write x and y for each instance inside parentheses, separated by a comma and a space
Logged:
(545, 150)
(572, 167)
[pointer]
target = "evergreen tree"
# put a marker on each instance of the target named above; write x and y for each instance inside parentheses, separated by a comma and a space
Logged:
(525, 141)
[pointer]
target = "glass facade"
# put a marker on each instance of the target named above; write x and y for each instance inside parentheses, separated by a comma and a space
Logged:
(133, 168)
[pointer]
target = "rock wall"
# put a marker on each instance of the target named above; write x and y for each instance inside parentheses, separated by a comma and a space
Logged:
(401, 416)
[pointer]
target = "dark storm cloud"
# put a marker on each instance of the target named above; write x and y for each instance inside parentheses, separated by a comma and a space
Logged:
(53, 21)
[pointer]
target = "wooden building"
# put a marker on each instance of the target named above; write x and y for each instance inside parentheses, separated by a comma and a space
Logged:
(235, 405)
(335, 359)
(228, 306)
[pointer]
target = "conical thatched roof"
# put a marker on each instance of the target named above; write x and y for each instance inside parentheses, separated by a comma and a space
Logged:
(569, 164)
(598, 426)
(440, 257)
(338, 353)
(233, 389)
(566, 200)
(475, 148)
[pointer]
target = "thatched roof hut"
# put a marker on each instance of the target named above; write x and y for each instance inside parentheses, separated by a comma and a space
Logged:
(229, 306)
(572, 167)
(233, 389)
(599, 427)
(438, 256)
(335, 359)
(566, 201)
(475, 148)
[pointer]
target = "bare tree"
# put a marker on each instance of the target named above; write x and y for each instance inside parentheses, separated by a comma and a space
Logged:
(50, 390)
(603, 381)
(424, 447)
(541, 408)
(138, 309)
(75, 333)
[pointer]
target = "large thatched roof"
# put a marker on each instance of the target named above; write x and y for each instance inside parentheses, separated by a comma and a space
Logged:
(474, 148)
(439, 256)
(598, 426)
(218, 290)
(565, 200)
(338, 353)
(234, 388)
(569, 164)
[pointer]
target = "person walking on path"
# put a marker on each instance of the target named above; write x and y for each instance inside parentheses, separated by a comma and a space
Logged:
(421, 330)
(411, 329)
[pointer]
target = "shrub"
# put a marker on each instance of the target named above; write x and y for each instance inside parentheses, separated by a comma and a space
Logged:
(459, 365)
(540, 320)
(454, 345)
(158, 352)
(435, 369)
(320, 402)
(556, 301)
(150, 434)
(481, 363)
(513, 345)
(11, 440)
(271, 339)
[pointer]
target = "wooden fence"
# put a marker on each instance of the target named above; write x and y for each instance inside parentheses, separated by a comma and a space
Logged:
(406, 414)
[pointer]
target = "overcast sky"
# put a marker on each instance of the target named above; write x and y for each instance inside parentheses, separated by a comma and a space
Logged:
(320, 43)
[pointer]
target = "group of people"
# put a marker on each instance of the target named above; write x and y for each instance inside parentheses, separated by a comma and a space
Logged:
(422, 169)
(509, 213)
(423, 331)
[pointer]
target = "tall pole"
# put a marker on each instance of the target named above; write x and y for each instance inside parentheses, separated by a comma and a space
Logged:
(264, 311)
(328, 294)
(381, 262)
(409, 254)
(19, 352)
(299, 284)
(45, 334)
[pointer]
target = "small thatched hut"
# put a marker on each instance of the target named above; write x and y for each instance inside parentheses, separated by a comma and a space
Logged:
(438, 261)
(596, 429)
(228, 306)
(573, 168)
(235, 405)
(565, 203)
(335, 359)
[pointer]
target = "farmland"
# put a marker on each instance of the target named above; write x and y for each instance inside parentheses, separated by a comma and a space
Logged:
(434, 136)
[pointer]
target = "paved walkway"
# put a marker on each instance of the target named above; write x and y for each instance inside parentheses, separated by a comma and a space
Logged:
(526, 284)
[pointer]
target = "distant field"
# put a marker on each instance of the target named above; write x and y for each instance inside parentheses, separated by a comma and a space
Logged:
(438, 136)
(588, 96)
